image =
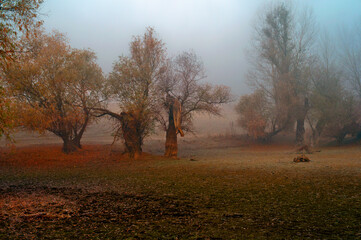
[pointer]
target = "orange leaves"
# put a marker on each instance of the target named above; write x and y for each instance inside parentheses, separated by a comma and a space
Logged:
(56, 86)
(17, 16)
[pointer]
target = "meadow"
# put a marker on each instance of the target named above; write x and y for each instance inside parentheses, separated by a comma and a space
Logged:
(214, 191)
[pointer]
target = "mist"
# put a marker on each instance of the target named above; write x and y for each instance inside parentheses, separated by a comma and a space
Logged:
(180, 119)
(218, 31)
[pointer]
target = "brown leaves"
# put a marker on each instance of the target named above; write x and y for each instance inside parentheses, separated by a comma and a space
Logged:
(57, 86)
(17, 17)
(253, 114)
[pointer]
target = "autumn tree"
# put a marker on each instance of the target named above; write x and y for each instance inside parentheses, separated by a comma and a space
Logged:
(182, 82)
(17, 17)
(132, 85)
(255, 116)
(280, 63)
(57, 87)
(8, 114)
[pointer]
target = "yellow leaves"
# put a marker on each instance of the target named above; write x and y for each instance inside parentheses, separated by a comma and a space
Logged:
(16, 16)
(9, 114)
(55, 84)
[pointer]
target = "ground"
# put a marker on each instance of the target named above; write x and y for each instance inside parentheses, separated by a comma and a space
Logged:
(214, 192)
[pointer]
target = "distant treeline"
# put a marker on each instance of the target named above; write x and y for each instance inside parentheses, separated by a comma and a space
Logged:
(302, 76)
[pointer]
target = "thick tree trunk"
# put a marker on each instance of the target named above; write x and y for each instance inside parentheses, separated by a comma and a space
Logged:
(300, 127)
(77, 143)
(300, 131)
(171, 145)
(82, 130)
(316, 133)
(69, 146)
(133, 142)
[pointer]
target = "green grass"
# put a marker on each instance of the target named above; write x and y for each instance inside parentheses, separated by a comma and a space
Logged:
(214, 197)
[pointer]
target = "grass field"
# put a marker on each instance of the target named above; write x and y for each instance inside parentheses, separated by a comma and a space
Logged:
(248, 192)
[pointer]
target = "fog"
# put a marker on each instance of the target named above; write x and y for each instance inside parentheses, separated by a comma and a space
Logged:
(180, 119)
(218, 31)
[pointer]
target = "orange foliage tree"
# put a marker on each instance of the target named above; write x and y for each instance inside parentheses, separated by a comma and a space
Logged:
(132, 85)
(253, 114)
(8, 114)
(57, 87)
(17, 17)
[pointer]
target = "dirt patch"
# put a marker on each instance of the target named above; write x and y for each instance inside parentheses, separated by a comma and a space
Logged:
(34, 206)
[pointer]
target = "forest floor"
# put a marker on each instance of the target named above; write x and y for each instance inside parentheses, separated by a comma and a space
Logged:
(224, 192)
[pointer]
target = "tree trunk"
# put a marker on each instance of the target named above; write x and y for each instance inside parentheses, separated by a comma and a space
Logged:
(77, 143)
(316, 132)
(82, 130)
(300, 128)
(69, 146)
(315, 139)
(171, 145)
(300, 131)
(358, 136)
(132, 140)
(340, 138)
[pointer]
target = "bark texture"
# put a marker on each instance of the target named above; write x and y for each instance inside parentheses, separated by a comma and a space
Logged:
(171, 144)
(300, 124)
(69, 146)
(132, 140)
(174, 127)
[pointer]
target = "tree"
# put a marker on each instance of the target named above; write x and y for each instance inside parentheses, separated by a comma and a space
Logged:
(17, 17)
(8, 114)
(254, 114)
(351, 58)
(182, 83)
(333, 111)
(345, 120)
(132, 84)
(327, 90)
(282, 48)
(57, 87)
(351, 61)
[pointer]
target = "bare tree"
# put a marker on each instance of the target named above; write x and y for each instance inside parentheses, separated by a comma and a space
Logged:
(333, 111)
(186, 94)
(351, 57)
(327, 90)
(57, 86)
(351, 60)
(282, 47)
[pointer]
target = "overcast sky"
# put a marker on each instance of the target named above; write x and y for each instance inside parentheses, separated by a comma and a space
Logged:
(219, 31)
